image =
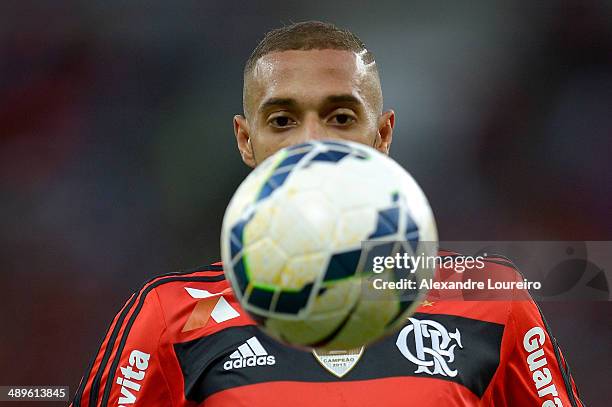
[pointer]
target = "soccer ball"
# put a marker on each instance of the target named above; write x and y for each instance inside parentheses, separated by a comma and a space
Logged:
(293, 243)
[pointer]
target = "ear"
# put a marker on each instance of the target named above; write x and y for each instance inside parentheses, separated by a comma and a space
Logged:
(243, 140)
(384, 136)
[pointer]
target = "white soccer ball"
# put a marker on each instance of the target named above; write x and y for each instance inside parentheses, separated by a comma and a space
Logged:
(292, 243)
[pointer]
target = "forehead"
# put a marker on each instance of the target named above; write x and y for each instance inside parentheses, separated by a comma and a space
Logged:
(308, 76)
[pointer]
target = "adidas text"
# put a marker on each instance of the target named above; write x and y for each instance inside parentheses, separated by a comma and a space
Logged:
(252, 361)
(250, 353)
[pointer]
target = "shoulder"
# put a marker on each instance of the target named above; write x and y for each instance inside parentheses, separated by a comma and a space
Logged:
(475, 286)
(178, 287)
(168, 309)
(152, 311)
(195, 303)
(165, 292)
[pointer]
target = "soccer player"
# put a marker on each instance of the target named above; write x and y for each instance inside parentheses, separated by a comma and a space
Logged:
(183, 340)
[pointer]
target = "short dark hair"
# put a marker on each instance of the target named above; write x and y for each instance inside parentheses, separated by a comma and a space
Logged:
(308, 35)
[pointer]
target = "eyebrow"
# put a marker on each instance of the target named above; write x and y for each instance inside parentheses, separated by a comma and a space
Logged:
(345, 98)
(292, 103)
(275, 102)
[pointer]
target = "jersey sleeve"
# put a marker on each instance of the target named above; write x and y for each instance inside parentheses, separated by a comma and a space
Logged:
(535, 372)
(127, 369)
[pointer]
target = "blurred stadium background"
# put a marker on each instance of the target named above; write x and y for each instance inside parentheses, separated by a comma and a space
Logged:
(117, 155)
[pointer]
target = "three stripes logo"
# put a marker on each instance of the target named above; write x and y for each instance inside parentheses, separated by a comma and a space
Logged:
(250, 353)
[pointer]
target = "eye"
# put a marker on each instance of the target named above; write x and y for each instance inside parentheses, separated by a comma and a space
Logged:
(342, 119)
(281, 122)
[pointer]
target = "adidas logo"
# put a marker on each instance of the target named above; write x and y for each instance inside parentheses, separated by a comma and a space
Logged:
(250, 353)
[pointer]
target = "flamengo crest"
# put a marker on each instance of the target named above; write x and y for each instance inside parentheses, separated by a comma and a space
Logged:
(434, 347)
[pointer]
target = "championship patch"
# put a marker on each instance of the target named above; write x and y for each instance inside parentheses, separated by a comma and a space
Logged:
(338, 362)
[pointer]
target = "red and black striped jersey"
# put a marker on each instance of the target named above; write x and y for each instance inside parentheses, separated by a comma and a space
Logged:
(183, 340)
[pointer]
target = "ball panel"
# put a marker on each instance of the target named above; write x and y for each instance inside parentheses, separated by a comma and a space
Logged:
(272, 184)
(316, 211)
(238, 277)
(291, 232)
(352, 226)
(329, 310)
(260, 298)
(342, 265)
(387, 223)
(256, 226)
(264, 261)
(335, 299)
(330, 156)
(291, 159)
(293, 302)
(303, 269)
(342, 190)
(411, 232)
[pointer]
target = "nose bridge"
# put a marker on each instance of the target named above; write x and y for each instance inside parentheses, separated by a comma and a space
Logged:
(312, 128)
